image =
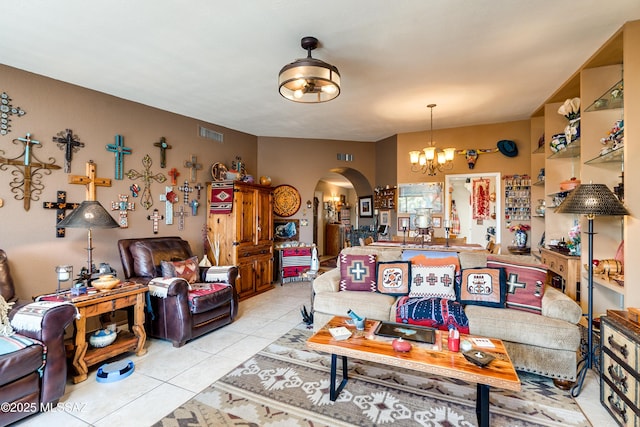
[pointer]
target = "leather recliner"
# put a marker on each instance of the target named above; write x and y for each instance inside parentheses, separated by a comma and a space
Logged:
(176, 318)
(25, 384)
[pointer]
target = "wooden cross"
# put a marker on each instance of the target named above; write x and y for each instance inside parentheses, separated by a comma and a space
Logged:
(27, 183)
(120, 151)
(199, 187)
(186, 190)
(194, 166)
(169, 197)
(147, 177)
(194, 207)
(60, 205)
(70, 143)
(181, 214)
(173, 173)
(124, 206)
(155, 217)
(90, 180)
(163, 151)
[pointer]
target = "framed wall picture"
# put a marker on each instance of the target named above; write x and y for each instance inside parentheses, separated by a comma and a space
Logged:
(385, 217)
(366, 206)
(285, 230)
(436, 221)
(404, 223)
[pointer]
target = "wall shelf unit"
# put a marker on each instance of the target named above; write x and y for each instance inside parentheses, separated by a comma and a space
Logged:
(613, 156)
(571, 151)
(613, 98)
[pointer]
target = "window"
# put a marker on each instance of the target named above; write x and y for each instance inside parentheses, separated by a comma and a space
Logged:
(421, 195)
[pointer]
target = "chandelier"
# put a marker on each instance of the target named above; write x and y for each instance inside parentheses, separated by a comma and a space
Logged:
(431, 160)
(309, 80)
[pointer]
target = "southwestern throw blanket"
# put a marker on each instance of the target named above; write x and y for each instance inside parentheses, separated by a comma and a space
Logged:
(287, 384)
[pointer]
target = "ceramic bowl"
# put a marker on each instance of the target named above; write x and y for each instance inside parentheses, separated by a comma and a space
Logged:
(102, 338)
(105, 283)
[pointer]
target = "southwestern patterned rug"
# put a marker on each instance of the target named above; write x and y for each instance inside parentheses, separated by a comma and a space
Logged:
(287, 385)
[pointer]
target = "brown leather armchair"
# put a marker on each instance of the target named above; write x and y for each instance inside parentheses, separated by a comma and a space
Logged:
(176, 317)
(24, 383)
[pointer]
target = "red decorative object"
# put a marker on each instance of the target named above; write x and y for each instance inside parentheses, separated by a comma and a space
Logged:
(401, 345)
(480, 198)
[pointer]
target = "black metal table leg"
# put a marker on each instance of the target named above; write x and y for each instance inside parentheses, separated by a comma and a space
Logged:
(482, 405)
(333, 391)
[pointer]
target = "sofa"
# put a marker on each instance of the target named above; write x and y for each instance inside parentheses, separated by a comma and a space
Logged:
(545, 344)
(184, 311)
(25, 383)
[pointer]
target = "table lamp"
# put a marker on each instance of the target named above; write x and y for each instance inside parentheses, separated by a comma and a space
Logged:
(63, 274)
(90, 214)
(591, 200)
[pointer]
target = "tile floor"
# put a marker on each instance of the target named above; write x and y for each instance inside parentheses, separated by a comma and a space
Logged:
(166, 377)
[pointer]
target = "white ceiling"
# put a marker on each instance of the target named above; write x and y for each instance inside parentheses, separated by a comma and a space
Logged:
(480, 61)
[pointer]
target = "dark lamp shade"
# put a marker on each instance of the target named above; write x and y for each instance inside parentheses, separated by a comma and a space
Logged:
(592, 200)
(90, 214)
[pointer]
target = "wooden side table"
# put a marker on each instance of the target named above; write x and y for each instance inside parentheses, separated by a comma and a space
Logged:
(567, 267)
(129, 295)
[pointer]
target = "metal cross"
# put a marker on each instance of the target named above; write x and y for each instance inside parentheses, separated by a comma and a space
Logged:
(199, 187)
(173, 173)
(69, 142)
(90, 180)
(163, 151)
(181, 214)
(169, 197)
(124, 206)
(6, 109)
(147, 177)
(155, 217)
(194, 166)
(26, 183)
(186, 190)
(120, 151)
(60, 205)
(194, 207)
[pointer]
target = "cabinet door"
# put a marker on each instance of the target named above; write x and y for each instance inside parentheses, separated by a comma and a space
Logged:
(264, 272)
(246, 221)
(265, 217)
(245, 284)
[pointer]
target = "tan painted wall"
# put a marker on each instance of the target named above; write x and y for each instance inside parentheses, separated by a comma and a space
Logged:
(52, 106)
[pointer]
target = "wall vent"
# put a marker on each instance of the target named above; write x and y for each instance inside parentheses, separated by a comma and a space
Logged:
(345, 157)
(210, 134)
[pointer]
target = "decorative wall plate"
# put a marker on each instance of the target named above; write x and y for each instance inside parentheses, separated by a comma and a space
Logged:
(286, 200)
(218, 172)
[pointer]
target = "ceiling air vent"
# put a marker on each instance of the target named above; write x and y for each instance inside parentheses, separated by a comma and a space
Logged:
(210, 134)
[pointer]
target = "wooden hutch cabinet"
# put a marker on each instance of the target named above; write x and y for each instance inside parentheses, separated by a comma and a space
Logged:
(246, 237)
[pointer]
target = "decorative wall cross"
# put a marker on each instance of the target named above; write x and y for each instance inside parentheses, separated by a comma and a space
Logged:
(124, 206)
(60, 205)
(194, 166)
(180, 214)
(186, 190)
(146, 176)
(173, 173)
(155, 217)
(169, 197)
(90, 180)
(199, 187)
(163, 151)
(6, 110)
(70, 143)
(194, 207)
(27, 183)
(120, 151)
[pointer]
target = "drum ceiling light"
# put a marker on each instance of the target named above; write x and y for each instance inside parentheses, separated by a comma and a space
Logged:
(309, 80)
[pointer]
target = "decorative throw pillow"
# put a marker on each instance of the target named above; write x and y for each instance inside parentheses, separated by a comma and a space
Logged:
(393, 277)
(525, 284)
(433, 282)
(187, 269)
(357, 272)
(483, 286)
(432, 312)
(434, 258)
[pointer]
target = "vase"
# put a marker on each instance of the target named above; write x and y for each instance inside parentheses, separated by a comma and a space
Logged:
(572, 130)
(541, 207)
(521, 239)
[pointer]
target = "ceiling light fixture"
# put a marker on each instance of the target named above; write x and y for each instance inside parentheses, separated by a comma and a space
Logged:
(430, 160)
(309, 80)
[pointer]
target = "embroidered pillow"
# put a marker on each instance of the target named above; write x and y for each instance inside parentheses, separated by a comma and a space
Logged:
(483, 286)
(433, 282)
(525, 284)
(393, 277)
(357, 272)
(432, 312)
(187, 269)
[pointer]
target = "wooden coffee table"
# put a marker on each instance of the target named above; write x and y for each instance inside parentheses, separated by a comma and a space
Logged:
(429, 358)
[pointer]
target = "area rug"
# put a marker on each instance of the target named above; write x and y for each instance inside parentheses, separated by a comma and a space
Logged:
(287, 385)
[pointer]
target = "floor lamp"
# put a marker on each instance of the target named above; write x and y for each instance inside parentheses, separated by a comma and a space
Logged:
(590, 200)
